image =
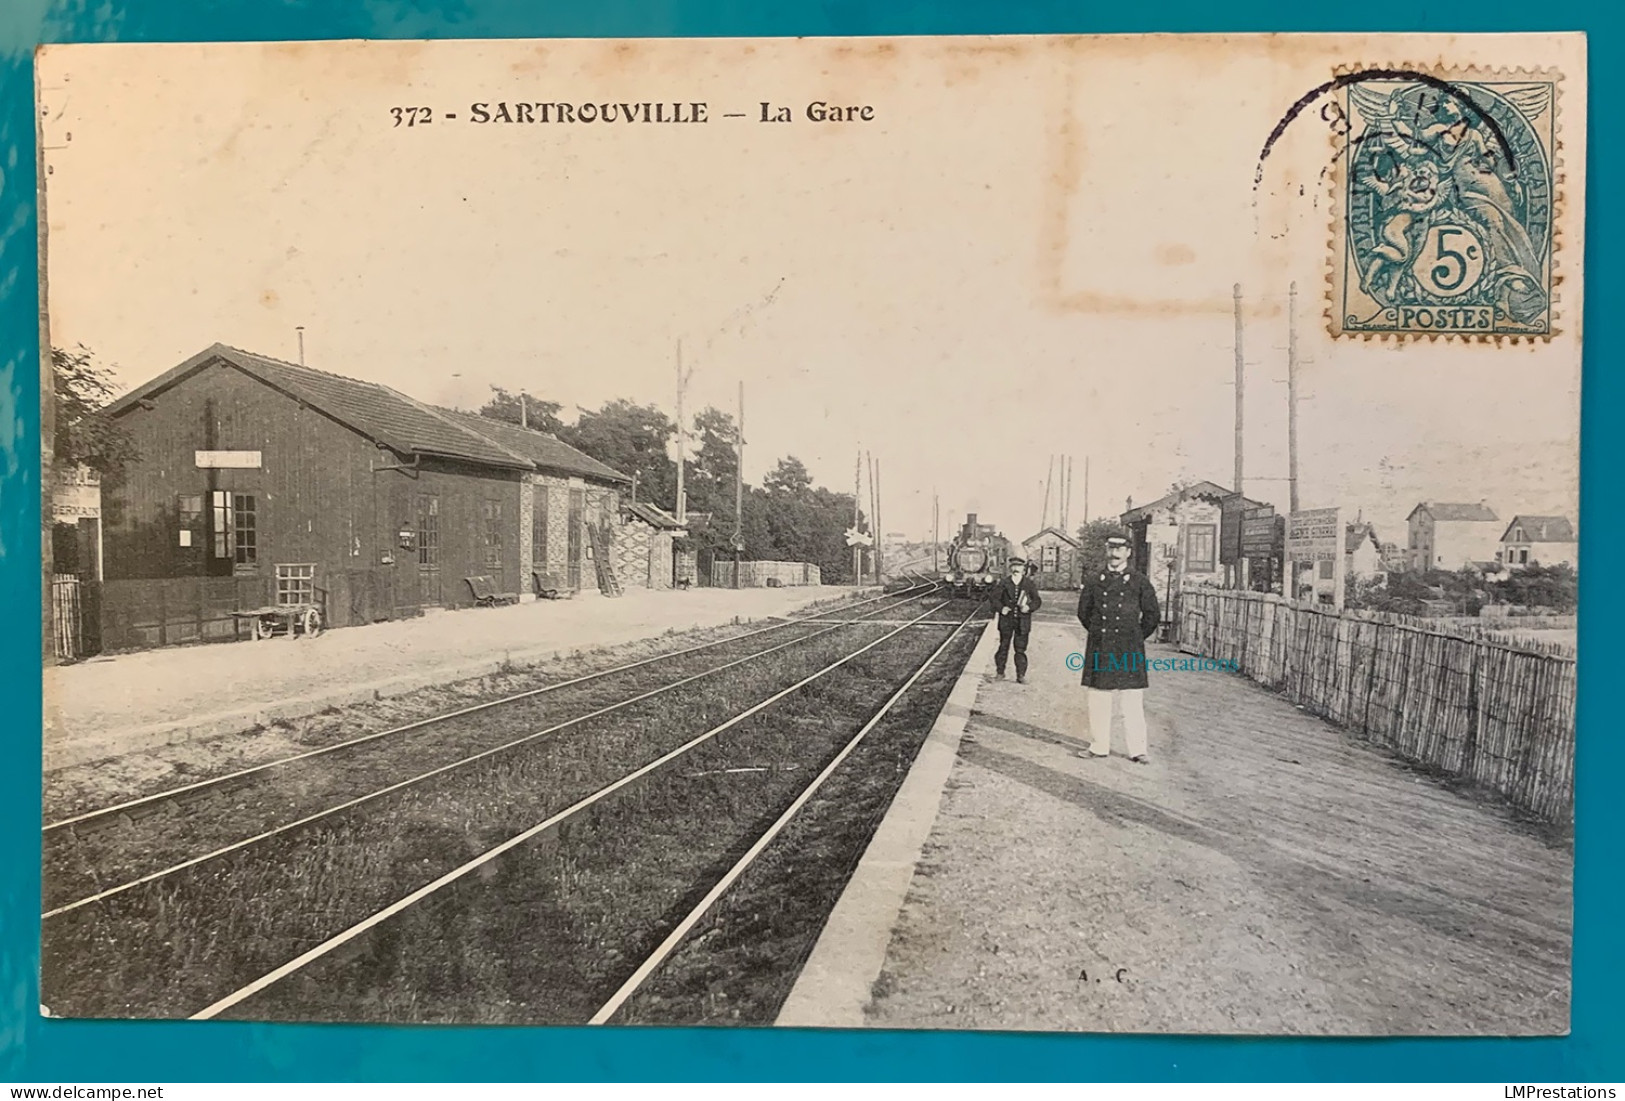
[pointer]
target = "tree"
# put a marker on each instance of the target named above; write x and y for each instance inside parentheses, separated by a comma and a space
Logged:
(85, 434)
(790, 477)
(1537, 586)
(631, 438)
(523, 408)
(710, 479)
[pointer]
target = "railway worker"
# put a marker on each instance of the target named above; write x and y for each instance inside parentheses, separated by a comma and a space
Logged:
(1016, 597)
(1118, 608)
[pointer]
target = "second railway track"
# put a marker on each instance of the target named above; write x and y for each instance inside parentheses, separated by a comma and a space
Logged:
(170, 937)
(96, 855)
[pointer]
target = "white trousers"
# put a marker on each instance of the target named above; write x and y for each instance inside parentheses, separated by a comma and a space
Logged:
(1131, 703)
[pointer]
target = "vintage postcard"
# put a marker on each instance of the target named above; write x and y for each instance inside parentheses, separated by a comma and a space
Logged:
(1044, 533)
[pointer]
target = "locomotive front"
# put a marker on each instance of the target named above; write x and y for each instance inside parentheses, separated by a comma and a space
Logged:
(970, 567)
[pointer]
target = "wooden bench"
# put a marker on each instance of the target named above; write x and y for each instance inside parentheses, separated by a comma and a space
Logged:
(549, 586)
(485, 594)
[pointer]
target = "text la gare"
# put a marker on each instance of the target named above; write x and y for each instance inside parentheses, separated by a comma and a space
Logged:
(819, 111)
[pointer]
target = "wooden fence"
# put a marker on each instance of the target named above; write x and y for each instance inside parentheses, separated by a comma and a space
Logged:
(1497, 712)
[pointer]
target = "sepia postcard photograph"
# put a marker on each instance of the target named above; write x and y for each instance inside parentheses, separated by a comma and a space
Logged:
(1051, 534)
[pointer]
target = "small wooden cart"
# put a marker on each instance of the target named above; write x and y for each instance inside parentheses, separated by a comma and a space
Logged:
(293, 619)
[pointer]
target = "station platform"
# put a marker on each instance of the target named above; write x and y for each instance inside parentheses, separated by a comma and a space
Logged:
(135, 702)
(1264, 873)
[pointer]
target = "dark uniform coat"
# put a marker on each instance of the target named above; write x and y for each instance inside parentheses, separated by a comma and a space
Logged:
(1119, 610)
(1006, 594)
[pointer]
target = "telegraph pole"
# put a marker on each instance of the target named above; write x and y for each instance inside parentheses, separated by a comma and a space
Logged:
(936, 537)
(739, 486)
(1086, 489)
(1049, 476)
(880, 531)
(682, 380)
(875, 517)
(1240, 406)
(1291, 396)
(300, 329)
(857, 517)
(1066, 491)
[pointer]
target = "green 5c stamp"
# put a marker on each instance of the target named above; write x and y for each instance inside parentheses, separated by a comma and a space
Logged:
(1448, 188)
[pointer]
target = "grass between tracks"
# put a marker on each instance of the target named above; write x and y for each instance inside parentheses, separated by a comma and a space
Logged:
(81, 861)
(169, 948)
(547, 933)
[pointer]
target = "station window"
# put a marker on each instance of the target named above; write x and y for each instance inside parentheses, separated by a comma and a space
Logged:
(493, 535)
(1199, 548)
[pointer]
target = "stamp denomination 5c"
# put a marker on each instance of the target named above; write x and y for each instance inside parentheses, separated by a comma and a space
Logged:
(1447, 189)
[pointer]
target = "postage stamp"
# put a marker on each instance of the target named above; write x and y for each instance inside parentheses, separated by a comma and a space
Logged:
(1447, 190)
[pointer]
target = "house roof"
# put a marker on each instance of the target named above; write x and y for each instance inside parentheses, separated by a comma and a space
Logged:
(1355, 534)
(388, 417)
(547, 452)
(1444, 510)
(1203, 488)
(381, 414)
(653, 516)
(1050, 531)
(1541, 529)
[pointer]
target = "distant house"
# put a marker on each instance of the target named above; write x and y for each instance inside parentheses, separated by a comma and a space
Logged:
(1448, 536)
(1363, 553)
(1394, 557)
(1548, 540)
(1053, 559)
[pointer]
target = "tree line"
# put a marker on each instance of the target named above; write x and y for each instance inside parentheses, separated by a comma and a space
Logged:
(786, 518)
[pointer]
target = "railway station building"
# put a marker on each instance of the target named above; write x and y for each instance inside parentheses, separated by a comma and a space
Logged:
(261, 482)
(1175, 539)
(1053, 559)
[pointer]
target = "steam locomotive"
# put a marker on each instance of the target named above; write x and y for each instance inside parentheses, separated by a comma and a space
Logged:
(977, 557)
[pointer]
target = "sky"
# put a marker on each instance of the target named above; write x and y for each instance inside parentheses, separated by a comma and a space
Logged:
(1029, 250)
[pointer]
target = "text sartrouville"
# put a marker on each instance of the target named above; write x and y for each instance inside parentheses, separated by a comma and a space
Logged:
(661, 112)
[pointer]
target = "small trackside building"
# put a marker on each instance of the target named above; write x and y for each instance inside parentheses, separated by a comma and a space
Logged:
(263, 482)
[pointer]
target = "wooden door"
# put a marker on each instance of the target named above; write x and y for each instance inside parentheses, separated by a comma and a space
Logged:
(578, 510)
(428, 549)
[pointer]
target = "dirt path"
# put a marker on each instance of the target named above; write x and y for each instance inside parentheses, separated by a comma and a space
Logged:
(1264, 874)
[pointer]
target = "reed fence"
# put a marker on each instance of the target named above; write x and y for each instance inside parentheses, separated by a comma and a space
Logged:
(1495, 711)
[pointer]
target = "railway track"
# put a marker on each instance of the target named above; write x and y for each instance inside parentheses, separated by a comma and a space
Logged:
(80, 856)
(187, 925)
(342, 970)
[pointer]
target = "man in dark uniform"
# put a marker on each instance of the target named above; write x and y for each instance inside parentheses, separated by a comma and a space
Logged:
(1118, 608)
(1015, 598)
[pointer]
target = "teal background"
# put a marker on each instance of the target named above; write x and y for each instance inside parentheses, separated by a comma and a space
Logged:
(40, 1051)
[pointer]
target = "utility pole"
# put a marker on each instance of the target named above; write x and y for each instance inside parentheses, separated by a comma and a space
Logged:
(1240, 406)
(739, 486)
(1291, 395)
(875, 517)
(880, 531)
(682, 382)
(936, 537)
(300, 329)
(1049, 476)
(1066, 491)
(857, 517)
(1086, 489)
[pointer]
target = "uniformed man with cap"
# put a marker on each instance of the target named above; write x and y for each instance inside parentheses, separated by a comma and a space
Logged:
(1016, 599)
(1118, 608)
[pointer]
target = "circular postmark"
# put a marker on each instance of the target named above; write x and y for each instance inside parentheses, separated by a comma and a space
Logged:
(1446, 196)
